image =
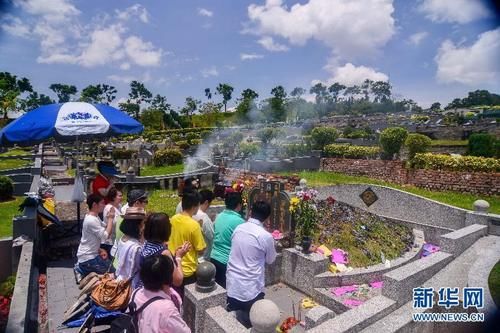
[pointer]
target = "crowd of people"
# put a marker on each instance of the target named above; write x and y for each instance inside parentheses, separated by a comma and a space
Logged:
(159, 254)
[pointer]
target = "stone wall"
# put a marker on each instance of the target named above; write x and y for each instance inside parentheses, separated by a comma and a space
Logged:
(395, 171)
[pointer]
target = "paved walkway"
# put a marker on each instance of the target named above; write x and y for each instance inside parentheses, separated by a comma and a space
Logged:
(62, 292)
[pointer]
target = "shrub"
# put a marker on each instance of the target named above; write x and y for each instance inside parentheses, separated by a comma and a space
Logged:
(266, 135)
(349, 151)
(6, 188)
(192, 136)
(175, 137)
(417, 143)
(236, 137)
(122, 154)
(249, 148)
(167, 156)
(196, 142)
(391, 140)
(205, 134)
(183, 144)
(481, 144)
(322, 136)
(455, 163)
(297, 149)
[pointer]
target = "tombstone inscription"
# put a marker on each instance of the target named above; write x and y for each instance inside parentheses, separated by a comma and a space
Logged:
(274, 193)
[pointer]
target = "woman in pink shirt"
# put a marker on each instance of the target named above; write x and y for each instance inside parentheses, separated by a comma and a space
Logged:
(162, 315)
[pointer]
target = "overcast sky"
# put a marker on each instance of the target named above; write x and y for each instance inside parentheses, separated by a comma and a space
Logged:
(429, 50)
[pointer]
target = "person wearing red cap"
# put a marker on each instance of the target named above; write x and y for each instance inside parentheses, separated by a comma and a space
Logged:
(105, 180)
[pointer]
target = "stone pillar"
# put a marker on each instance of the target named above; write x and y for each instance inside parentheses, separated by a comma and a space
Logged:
(264, 316)
(130, 175)
(201, 296)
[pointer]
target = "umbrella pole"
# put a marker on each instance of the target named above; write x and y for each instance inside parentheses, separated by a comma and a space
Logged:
(77, 173)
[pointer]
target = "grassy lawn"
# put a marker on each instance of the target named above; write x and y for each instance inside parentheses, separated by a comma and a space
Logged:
(163, 201)
(11, 164)
(16, 152)
(462, 200)
(7, 211)
(163, 170)
(494, 283)
(449, 143)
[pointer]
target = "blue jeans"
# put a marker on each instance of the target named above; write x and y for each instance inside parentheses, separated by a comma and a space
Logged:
(97, 265)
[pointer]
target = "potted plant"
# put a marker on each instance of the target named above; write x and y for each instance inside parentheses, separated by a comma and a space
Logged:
(303, 208)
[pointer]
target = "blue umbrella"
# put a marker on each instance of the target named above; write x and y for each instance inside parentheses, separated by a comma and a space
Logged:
(68, 121)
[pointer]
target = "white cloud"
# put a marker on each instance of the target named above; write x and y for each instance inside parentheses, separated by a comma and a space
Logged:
(104, 46)
(417, 37)
(133, 11)
(476, 64)
(64, 39)
(350, 74)
(205, 12)
(14, 26)
(141, 52)
(230, 67)
(349, 28)
(250, 56)
(459, 11)
(125, 66)
(51, 10)
(212, 71)
(146, 77)
(269, 44)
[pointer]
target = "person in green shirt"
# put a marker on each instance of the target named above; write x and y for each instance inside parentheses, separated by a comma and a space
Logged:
(224, 226)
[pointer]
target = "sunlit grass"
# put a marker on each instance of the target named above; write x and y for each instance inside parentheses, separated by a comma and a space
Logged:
(8, 210)
(461, 200)
(162, 170)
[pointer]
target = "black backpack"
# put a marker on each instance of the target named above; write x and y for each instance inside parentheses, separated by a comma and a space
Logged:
(128, 322)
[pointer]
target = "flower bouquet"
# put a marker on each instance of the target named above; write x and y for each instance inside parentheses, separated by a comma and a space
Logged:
(305, 213)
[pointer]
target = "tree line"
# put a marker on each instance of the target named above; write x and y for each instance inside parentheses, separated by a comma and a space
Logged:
(155, 111)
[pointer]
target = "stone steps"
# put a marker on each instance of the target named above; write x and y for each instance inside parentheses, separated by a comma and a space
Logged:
(455, 274)
(399, 282)
(359, 317)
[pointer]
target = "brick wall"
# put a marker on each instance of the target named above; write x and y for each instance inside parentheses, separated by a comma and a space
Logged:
(395, 171)
(473, 182)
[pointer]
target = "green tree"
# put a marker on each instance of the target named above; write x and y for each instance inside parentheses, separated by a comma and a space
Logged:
(277, 103)
(138, 94)
(366, 87)
(160, 103)
(152, 119)
(63, 91)
(132, 109)
(322, 136)
(10, 89)
(481, 144)
(335, 90)
(190, 107)
(208, 93)
(297, 92)
(391, 140)
(436, 106)
(417, 143)
(320, 90)
(91, 94)
(226, 91)
(245, 105)
(33, 100)
(381, 90)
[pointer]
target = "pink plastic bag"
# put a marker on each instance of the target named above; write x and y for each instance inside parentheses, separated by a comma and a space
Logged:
(339, 256)
(352, 302)
(339, 291)
(377, 284)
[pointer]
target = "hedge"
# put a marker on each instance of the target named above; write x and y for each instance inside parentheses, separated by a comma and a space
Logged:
(6, 188)
(455, 163)
(123, 154)
(167, 156)
(349, 151)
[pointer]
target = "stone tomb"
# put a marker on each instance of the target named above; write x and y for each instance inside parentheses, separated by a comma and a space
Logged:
(274, 193)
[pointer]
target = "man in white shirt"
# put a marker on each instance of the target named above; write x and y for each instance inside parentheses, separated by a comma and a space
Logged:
(93, 234)
(207, 226)
(252, 248)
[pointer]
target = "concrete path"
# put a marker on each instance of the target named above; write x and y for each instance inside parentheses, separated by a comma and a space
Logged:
(62, 292)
